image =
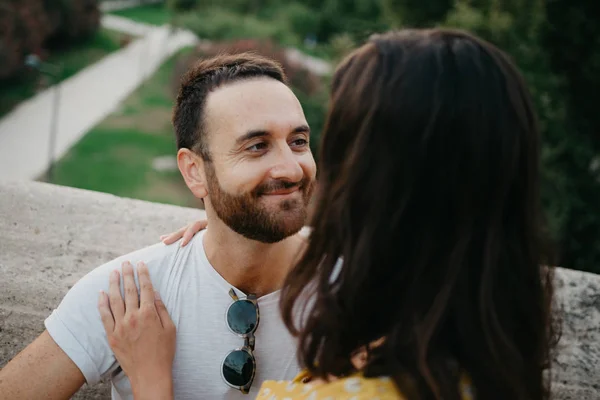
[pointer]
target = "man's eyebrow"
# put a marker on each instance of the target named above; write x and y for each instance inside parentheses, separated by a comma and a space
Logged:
(262, 133)
(302, 129)
(251, 135)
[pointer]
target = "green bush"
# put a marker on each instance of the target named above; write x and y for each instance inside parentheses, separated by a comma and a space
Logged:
(182, 5)
(358, 18)
(34, 26)
(571, 40)
(72, 20)
(301, 19)
(417, 13)
(220, 24)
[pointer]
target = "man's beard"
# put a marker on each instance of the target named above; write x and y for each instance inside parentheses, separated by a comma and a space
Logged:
(246, 215)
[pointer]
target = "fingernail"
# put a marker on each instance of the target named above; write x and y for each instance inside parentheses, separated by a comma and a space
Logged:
(114, 274)
(156, 295)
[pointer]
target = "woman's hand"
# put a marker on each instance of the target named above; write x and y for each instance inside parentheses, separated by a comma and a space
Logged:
(140, 333)
(187, 232)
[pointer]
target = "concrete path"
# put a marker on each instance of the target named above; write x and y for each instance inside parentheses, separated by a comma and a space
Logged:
(85, 99)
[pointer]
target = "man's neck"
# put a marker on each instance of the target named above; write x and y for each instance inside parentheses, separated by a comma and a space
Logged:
(251, 266)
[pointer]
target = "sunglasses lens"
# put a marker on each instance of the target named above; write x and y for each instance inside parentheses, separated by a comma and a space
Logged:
(242, 317)
(238, 368)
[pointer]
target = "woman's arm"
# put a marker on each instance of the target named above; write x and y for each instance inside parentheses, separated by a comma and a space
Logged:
(140, 333)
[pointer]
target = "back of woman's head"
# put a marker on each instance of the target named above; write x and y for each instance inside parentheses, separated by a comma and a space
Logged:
(429, 195)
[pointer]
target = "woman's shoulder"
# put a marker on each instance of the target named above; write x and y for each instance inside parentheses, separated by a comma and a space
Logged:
(355, 387)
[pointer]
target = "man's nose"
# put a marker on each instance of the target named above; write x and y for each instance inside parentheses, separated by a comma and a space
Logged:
(287, 167)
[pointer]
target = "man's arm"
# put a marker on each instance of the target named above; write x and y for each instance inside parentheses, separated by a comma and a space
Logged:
(42, 370)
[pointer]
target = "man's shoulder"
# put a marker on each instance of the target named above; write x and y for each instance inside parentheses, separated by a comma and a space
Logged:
(159, 258)
(156, 253)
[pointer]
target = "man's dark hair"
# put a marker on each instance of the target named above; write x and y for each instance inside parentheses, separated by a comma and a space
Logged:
(205, 76)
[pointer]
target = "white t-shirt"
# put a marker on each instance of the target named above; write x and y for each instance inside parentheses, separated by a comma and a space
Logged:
(197, 298)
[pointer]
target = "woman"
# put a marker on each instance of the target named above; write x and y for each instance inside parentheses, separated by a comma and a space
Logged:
(429, 160)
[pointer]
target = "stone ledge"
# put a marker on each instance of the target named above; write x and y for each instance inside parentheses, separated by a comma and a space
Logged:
(50, 236)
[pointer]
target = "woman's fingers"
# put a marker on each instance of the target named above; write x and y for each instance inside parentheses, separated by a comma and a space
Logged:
(192, 229)
(187, 233)
(105, 314)
(117, 305)
(146, 288)
(130, 289)
(173, 237)
(163, 314)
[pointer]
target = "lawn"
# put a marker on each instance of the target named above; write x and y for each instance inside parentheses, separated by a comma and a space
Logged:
(117, 156)
(72, 60)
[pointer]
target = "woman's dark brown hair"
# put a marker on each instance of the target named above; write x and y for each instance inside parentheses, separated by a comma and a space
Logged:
(429, 195)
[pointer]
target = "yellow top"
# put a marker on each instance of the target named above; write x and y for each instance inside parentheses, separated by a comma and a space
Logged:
(355, 387)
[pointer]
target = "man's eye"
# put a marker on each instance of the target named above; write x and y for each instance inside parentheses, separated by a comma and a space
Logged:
(257, 147)
(299, 142)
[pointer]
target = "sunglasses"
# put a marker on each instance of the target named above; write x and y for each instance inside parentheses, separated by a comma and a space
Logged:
(239, 366)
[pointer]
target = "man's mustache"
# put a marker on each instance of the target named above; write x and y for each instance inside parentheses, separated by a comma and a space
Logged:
(275, 185)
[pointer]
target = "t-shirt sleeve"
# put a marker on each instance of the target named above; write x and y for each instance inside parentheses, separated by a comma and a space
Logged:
(76, 326)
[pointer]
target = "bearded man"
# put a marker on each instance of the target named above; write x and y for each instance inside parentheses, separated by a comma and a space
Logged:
(244, 150)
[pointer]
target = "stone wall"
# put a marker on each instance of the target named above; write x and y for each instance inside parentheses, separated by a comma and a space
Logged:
(50, 236)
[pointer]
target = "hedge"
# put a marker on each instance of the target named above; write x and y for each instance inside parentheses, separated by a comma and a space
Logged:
(38, 26)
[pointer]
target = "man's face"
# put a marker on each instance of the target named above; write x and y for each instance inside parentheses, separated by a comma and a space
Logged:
(261, 174)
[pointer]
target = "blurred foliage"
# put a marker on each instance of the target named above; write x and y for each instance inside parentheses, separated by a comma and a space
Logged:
(71, 59)
(310, 25)
(39, 26)
(221, 24)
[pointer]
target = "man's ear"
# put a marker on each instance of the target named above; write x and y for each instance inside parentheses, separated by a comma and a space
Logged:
(191, 167)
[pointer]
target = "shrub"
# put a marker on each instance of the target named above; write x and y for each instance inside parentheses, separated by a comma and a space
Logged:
(301, 19)
(25, 28)
(359, 18)
(220, 24)
(182, 5)
(72, 20)
(31, 26)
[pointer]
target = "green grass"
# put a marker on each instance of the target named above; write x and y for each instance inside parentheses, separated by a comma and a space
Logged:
(116, 156)
(112, 160)
(72, 59)
(153, 14)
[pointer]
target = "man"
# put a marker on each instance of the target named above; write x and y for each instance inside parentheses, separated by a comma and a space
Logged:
(244, 150)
